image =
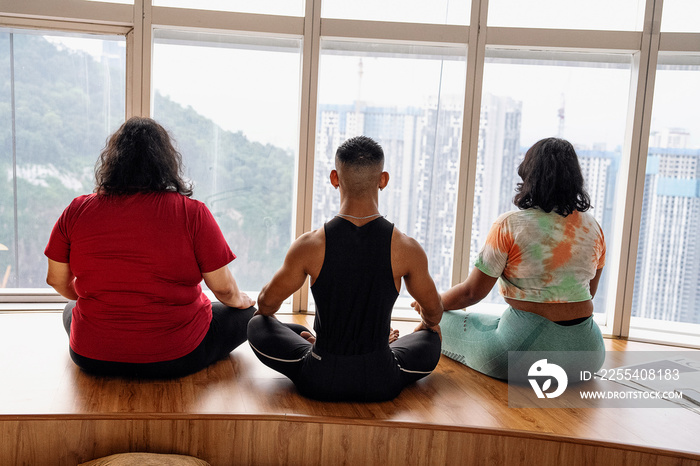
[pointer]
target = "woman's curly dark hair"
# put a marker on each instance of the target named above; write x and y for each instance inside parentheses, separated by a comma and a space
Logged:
(140, 158)
(552, 179)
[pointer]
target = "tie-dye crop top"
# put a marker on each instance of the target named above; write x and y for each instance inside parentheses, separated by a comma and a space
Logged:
(543, 257)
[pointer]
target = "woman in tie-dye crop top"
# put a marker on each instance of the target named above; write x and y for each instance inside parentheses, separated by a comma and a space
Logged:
(547, 258)
(543, 257)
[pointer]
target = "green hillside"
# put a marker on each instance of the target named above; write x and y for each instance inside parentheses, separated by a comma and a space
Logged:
(66, 103)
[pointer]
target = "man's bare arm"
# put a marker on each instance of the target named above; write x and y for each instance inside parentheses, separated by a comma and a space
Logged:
(300, 261)
(419, 283)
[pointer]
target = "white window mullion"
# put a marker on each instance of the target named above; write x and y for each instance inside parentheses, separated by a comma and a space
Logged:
(133, 70)
(146, 57)
(476, 54)
(139, 48)
(134, 62)
(307, 133)
(633, 169)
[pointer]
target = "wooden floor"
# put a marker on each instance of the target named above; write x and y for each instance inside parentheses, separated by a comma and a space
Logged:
(240, 412)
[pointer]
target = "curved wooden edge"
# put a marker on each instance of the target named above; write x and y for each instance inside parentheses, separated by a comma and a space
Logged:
(356, 422)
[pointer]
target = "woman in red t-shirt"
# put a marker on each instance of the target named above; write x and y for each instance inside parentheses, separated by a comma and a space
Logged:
(131, 258)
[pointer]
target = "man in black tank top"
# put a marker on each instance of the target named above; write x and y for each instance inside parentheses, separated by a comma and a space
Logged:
(355, 263)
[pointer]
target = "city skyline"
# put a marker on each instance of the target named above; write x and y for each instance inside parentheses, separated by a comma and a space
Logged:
(415, 207)
(422, 141)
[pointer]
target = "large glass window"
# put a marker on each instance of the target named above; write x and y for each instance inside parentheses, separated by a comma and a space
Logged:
(410, 100)
(232, 102)
(413, 11)
(528, 96)
(621, 15)
(61, 96)
(667, 277)
(232, 105)
(270, 7)
(680, 16)
(125, 2)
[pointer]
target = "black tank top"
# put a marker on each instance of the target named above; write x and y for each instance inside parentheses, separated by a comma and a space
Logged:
(355, 291)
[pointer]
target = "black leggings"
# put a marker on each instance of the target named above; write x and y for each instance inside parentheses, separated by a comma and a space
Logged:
(376, 376)
(227, 330)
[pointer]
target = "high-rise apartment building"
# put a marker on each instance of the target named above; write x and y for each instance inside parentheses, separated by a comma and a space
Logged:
(422, 162)
(424, 165)
(499, 155)
(421, 201)
(667, 276)
(600, 169)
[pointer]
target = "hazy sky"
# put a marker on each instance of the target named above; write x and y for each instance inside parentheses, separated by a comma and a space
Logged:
(258, 92)
(241, 90)
(678, 16)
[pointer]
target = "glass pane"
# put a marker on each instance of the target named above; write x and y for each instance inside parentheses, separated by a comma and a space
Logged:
(233, 111)
(680, 16)
(410, 100)
(8, 263)
(667, 278)
(527, 97)
(618, 15)
(269, 7)
(409, 11)
(125, 2)
(62, 96)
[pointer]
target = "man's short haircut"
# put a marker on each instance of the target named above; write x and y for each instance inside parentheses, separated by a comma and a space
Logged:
(360, 151)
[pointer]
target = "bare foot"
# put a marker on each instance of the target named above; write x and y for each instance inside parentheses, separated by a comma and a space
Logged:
(308, 337)
(393, 335)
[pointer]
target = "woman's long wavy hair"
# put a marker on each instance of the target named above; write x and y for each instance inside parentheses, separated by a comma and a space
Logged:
(552, 179)
(140, 158)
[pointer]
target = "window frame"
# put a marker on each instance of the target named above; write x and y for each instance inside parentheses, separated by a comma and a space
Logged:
(138, 21)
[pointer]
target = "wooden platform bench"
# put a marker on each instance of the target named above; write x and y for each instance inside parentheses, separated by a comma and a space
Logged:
(240, 412)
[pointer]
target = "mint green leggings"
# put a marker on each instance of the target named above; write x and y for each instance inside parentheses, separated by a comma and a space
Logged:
(482, 341)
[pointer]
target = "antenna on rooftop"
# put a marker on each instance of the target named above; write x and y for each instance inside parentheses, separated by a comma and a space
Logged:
(562, 117)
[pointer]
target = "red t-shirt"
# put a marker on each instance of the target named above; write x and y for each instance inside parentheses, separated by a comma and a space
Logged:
(138, 262)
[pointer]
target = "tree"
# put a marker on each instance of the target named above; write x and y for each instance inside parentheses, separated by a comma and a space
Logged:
(66, 104)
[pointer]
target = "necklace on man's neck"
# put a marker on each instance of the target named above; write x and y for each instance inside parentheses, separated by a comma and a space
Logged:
(358, 218)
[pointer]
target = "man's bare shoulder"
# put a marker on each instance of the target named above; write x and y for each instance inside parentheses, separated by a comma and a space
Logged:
(407, 255)
(311, 240)
(307, 252)
(403, 242)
